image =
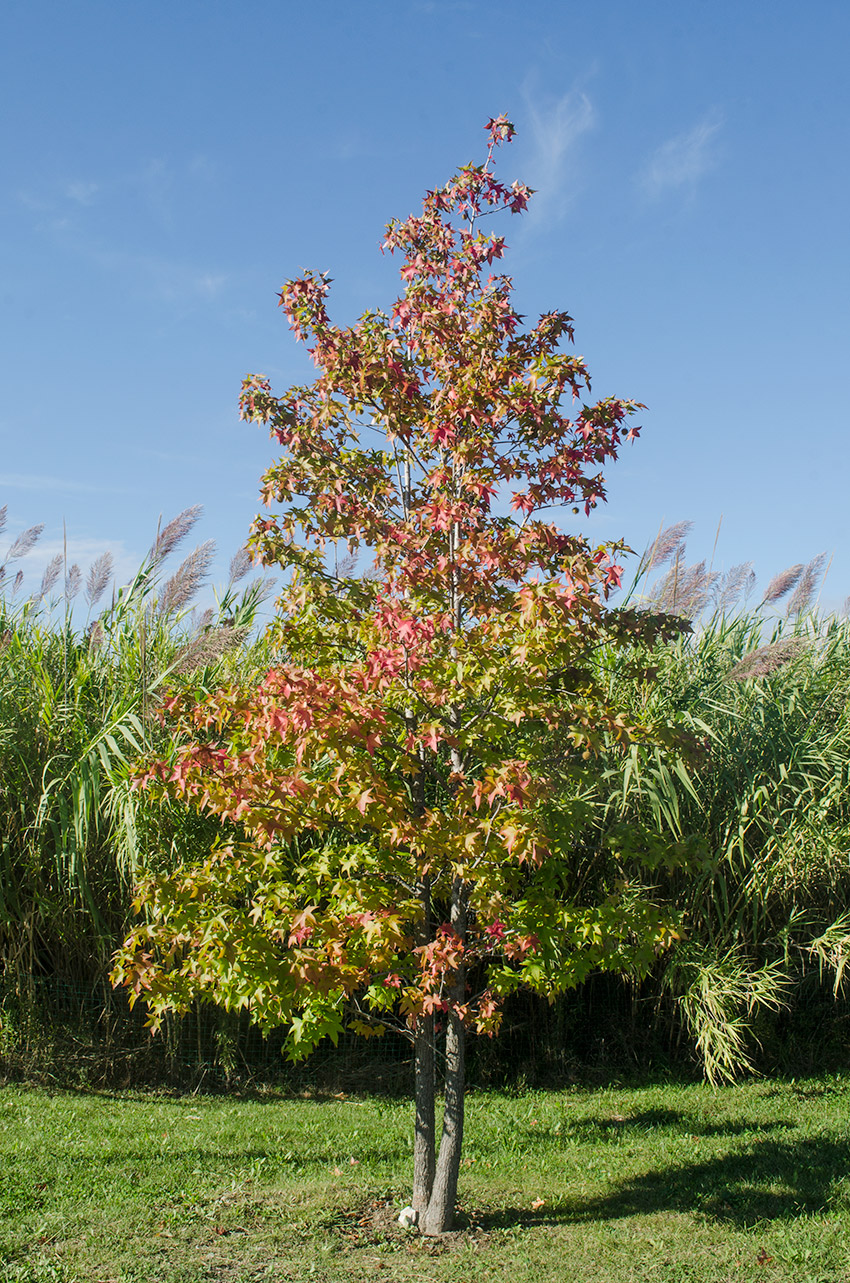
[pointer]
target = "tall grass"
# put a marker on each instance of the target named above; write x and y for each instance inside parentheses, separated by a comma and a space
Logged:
(766, 698)
(760, 803)
(79, 694)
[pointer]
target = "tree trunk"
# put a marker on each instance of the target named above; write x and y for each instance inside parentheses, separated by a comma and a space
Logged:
(439, 1216)
(425, 1135)
(425, 1131)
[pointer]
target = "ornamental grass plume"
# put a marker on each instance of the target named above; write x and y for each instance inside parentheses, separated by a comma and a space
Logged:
(179, 590)
(174, 533)
(240, 564)
(346, 566)
(24, 543)
(73, 581)
(52, 571)
(204, 620)
(208, 648)
(96, 635)
(97, 580)
(666, 545)
(805, 589)
(782, 584)
(684, 590)
(767, 659)
(3, 514)
(737, 582)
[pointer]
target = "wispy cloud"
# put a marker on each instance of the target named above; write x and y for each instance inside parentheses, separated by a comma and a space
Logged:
(165, 279)
(82, 192)
(149, 274)
(680, 163)
(66, 206)
(38, 481)
(81, 552)
(556, 126)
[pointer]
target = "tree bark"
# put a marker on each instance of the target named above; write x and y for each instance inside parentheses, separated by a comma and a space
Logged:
(439, 1216)
(425, 1132)
(425, 1129)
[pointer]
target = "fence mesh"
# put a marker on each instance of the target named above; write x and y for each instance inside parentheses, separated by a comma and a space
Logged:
(64, 1032)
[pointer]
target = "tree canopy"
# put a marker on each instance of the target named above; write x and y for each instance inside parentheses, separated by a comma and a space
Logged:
(404, 787)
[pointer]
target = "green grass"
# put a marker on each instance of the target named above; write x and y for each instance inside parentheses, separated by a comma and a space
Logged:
(661, 1183)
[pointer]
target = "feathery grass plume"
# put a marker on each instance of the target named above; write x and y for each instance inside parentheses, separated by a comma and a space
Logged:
(51, 573)
(24, 543)
(258, 591)
(240, 564)
(179, 590)
(684, 590)
(782, 583)
(19, 579)
(805, 589)
(174, 533)
(97, 580)
(204, 620)
(346, 566)
(737, 582)
(207, 648)
(3, 513)
(95, 634)
(73, 580)
(696, 589)
(767, 659)
(666, 545)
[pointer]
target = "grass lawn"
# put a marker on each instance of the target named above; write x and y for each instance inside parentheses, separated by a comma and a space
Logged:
(665, 1183)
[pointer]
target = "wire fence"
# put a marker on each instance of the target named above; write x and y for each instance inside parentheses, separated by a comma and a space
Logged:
(66, 1033)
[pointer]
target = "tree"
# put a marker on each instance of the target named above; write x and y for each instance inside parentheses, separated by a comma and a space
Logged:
(401, 845)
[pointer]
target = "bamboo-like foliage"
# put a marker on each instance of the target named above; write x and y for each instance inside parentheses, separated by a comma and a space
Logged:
(78, 706)
(760, 800)
(764, 790)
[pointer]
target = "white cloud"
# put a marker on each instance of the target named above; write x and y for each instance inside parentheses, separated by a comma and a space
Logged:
(681, 162)
(556, 127)
(82, 192)
(36, 203)
(80, 552)
(37, 481)
(65, 209)
(150, 274)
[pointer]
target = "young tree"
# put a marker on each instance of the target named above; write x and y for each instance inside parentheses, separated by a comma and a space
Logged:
(402, 826)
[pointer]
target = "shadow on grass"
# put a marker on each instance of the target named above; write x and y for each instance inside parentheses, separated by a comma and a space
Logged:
(672, 1120)
(771, 1180)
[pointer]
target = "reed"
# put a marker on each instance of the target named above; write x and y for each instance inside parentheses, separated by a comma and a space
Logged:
(77, 711)
(752, 820)
(764, 794)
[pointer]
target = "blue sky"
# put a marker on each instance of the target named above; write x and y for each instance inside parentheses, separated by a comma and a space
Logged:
(166, 166)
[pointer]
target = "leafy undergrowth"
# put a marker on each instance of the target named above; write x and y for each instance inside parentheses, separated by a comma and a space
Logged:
(618, 1185)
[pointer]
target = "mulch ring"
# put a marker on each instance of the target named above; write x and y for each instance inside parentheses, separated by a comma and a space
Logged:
(375, 1221)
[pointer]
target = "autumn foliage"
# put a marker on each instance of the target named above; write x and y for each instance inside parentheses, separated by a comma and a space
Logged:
(404, 785)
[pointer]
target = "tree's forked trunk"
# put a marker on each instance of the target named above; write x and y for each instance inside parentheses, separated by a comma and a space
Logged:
(425, 1132)
(439, 1215)
(440, 1212)
(425, 1135)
